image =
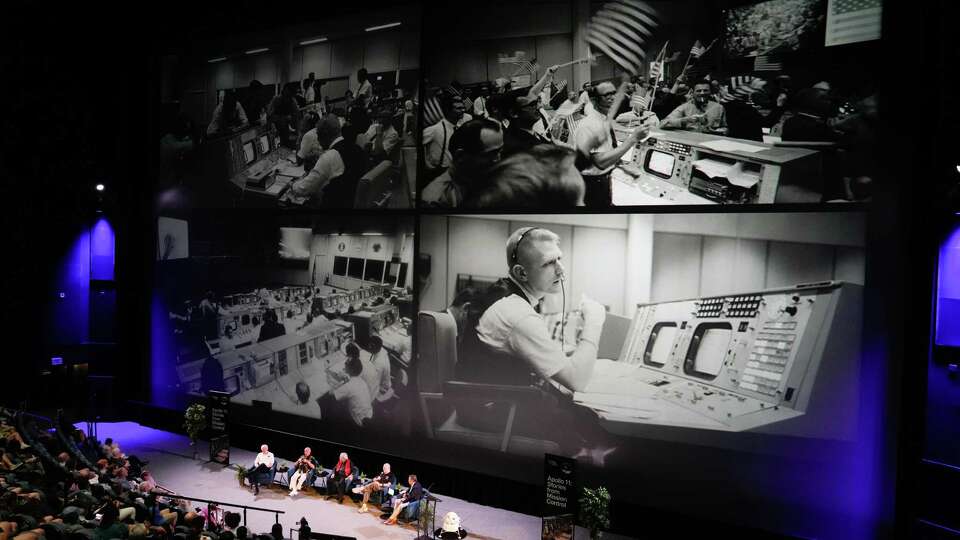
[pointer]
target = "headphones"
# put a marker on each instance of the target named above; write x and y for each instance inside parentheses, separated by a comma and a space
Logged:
(516, 247)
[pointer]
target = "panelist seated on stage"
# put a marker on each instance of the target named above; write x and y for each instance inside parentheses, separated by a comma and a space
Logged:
(341, 479)
(700, 114)
(303, 472)
(409, 501)
(263, 470)
(384, 483)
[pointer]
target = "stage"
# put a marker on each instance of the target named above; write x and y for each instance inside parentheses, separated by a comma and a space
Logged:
(174, 468)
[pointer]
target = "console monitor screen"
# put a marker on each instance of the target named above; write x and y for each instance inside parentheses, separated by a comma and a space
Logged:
(340, 266)
(355, 268)
(373, 271)
(661, 163)
(249, 155)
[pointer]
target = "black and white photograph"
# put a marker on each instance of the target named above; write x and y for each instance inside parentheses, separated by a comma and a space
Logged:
(704, 328)
(551, 105)
(317, 112)
(302, 315)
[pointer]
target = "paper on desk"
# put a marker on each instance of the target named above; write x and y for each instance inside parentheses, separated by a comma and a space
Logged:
(289, 169)
(724, 145)
(733, 173)
(618, 404)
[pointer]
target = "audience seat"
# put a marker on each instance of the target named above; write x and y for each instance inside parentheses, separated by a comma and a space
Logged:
(437, 333)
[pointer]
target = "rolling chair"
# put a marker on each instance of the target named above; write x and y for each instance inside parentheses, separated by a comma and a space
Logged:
(437, 356)
(373, 190)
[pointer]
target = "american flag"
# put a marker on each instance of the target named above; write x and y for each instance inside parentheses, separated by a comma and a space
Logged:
(504, 59)
(620, 29)
(639, 102)
(656, 69)
(851, 21)
(767, 62)
(697, 50)
(432, 113)
(530, 68)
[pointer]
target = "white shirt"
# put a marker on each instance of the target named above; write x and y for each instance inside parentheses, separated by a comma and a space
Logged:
(264, 459)
(381, 361)
(442, 192)
(357, 395)
(436, 142)
(329, 166)
(512, 326)
(480, 107)
(390, 139)
(365, 89)
(371, 376)
(309, 145)
(310, 95)
(594, 133)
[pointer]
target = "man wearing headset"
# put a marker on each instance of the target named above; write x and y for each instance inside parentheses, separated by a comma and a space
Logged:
(514, 333)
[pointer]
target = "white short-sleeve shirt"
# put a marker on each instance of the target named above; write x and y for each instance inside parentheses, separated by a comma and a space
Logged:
(357, 395)
(512, 326)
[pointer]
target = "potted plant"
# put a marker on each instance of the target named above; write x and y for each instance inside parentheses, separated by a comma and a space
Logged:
(194, 421)
(241, 473)
(425, 517)
(595, 510)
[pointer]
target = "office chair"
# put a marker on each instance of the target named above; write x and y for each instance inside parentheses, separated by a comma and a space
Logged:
(373, 185)
(437, 356)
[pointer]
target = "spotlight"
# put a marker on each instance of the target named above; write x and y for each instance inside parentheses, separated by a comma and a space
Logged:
(100, 187)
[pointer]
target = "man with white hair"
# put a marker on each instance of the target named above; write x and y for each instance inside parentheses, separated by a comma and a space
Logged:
(343, 475)
(382, 482)
(262, 465)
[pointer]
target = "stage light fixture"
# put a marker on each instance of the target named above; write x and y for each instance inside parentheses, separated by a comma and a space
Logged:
(382, 26)
(313, 40)
(100, 187)
(215, 60)
(255, 51)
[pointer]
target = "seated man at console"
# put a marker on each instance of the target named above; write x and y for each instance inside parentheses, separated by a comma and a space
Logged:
(332, 167)
(511, 344)
(700, 114)
(383, 481)
(304, 471)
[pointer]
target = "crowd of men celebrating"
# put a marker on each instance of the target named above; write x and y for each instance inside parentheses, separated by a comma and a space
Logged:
(543, 147)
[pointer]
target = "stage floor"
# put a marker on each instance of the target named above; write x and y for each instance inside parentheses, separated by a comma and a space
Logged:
(173, 468)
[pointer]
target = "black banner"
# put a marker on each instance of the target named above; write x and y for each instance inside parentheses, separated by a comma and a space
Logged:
(559, 497)
(218, 404)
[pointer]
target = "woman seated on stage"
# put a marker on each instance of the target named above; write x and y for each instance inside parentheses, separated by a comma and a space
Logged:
(410, 497)
(343, 475)
(383, 481)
